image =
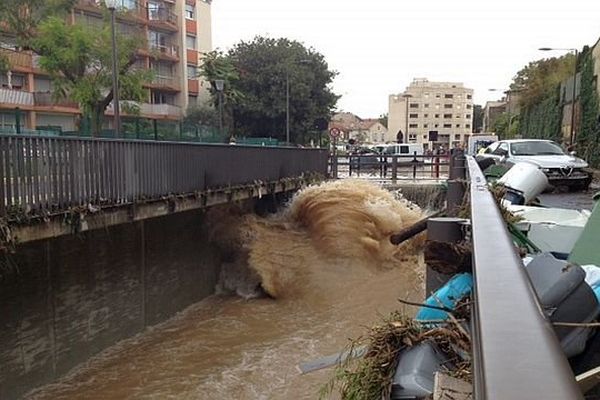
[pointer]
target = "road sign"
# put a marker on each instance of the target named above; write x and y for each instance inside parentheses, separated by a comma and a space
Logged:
(334, 133)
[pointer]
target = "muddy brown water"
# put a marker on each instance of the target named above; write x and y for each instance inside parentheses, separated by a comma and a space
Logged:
(226, 347)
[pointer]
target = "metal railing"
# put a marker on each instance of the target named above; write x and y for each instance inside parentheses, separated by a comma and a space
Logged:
(47, 174)
(516, 354)
(381, 167)
(46, 99)
(161, 15)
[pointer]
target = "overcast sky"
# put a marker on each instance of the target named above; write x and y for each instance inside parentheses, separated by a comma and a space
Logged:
(379, 46)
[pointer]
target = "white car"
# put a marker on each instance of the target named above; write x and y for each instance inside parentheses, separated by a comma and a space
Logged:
(561, 169)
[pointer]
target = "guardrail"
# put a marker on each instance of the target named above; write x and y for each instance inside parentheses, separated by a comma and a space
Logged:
(516, 354)
(46, 174)
(399, 167)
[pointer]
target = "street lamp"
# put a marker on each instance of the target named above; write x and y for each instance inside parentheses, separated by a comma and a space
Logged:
(572, 133)
(219, 85)
(406, 96)
(287, 99)
(112, 6)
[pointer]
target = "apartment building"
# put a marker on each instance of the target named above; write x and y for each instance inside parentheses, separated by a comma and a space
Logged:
(432, 113)
(178, 33)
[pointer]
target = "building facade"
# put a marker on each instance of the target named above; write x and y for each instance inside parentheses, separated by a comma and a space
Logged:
(177, 32)
(434, 114)
(491, 112)
(364, 131)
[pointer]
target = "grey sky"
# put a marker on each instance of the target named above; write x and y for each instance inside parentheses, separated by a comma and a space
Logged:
(378, 46)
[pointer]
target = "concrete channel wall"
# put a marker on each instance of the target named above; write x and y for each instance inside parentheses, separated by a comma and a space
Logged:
(63, 300)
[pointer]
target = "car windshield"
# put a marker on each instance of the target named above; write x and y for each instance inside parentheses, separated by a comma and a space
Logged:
(535, 148)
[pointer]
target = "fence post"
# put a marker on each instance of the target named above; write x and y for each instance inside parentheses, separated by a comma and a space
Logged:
(18, 120)
(394, 168)
(436, 162)
(155, 127)
(414, 161)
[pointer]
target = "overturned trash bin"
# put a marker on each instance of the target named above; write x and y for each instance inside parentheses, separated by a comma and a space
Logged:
(565, 297)
(414, 377)
(523, 182)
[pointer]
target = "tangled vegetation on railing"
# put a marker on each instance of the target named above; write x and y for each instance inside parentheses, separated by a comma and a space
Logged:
(370, 377)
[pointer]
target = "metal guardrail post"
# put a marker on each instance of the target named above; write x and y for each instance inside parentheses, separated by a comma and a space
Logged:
(394, 169)
(442, 229)
(516, 354)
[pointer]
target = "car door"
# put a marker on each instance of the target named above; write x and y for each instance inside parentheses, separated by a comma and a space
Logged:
(498, 151)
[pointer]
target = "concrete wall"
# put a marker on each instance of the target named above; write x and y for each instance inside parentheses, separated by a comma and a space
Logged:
(64, 300)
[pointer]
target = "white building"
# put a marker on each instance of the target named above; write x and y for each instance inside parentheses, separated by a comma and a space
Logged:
(426, 109)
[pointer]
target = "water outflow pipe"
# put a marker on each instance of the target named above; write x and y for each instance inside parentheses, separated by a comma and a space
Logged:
(416, 228)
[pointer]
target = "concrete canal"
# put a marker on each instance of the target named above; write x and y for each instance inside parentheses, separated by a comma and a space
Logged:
(330, 270)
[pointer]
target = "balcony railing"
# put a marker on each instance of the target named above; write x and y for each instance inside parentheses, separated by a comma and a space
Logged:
(162, 15)
(145, 109)
(164, 80)
(45, 99)
(169, 50)
(16, 97)
(17, 58)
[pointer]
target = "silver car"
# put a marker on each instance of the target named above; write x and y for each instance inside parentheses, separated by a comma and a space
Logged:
(562, 169)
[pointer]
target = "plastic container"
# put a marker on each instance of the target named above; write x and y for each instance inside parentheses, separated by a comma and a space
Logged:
(447, 296)
(526, 180)
(414, 377)
(565, 297)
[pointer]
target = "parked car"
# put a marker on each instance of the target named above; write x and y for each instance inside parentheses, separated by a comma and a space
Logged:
(562, 169)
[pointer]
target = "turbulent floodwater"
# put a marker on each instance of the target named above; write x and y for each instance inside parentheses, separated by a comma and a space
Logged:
(328, 264)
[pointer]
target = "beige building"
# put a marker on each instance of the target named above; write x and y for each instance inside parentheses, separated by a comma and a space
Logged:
(178, 32)
(425, 107)
(368, 130)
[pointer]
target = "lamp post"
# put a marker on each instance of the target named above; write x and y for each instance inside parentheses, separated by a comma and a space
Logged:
(287, 99)
(406, 96)
(112, 5)
(572, 133)
(220, 85)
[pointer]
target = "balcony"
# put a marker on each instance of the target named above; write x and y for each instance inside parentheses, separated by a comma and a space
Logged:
(148, 110)
(128, 9)
(192, 56)
(165, 82)
(193, 86)
(191, 26)
(45, 99)
(164, 51)
(162, 18)
(17, 59)
(166, 110)
(16, 97)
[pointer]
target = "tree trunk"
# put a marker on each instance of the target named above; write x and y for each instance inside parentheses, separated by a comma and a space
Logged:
(96, 119)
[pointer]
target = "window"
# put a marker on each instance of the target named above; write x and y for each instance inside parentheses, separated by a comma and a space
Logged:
(425, 137)
(448, 96)
(446, 116)
(469, 97)
(413, 116)
(437, 115)
(192, 100)
(457, 137)
(404, 149)
(192, 72)
(413, 125)
(437, 95)
(458, 116)
(447, 125)
(162, 98)
(414, 105)
(468, 126)
(17, 81)
(447, 105)
(189, 11)
(425, 125)
(468, 116)
(501, 150)
(469, 106)
(458, 125)
(190, 42)
(436, 125)
(426, 105)
(425, 115)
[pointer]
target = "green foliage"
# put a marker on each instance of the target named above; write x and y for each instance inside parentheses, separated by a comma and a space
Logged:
(589, 131)
(22, 17)
(543, 120)
(256, 74)
(79, 60)
(506, 126)
(201, 116)
(538, 80)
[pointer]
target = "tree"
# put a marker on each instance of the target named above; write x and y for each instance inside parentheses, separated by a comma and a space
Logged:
(79, 61)
(383, 119)
(22, 17)
(256, 74)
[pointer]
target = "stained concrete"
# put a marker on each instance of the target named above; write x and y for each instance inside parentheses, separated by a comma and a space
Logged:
(63, 300)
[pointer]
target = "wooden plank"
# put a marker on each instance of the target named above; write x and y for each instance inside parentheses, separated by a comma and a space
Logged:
(588, 380)
(447, 388)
